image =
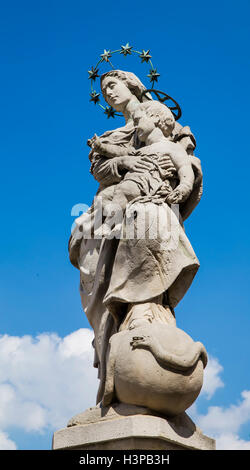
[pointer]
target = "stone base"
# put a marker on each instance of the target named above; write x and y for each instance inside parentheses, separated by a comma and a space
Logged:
(124, 427)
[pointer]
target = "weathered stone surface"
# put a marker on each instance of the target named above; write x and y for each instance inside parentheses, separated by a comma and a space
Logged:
(98, 413)
(164, 372)
(115, 428)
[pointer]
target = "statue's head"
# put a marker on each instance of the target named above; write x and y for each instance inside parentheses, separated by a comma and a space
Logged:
(119, 87)
(153, 114)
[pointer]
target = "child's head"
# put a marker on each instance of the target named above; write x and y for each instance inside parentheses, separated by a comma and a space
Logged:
(154, 114)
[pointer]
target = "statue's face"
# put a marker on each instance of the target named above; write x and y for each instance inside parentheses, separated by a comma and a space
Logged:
(143, 124)
(116, 93)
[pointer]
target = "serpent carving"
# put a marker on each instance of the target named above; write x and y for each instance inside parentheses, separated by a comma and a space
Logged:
(195, 352)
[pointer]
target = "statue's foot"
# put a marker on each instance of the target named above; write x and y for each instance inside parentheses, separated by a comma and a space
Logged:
(145, 314)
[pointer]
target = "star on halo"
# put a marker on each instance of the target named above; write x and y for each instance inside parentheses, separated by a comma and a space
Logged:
(125, 50)
(145, 56)
(93, 73)
(106, 55)
(94, 97)
(109, 111)
(153, 75)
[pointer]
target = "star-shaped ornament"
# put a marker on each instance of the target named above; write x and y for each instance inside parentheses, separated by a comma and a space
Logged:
(109, 111)
(106, 55)
(153, 75)
(125, 50)
(145, 56)
(94, 97)
(93, 73)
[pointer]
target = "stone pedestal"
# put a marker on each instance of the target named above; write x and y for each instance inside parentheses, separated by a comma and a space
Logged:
(122, 427)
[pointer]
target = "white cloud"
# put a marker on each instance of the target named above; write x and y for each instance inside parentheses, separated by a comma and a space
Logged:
(219, 420)
(231, 442)
(212, 381)
(222, 423)
(6, 443)
(45, 380)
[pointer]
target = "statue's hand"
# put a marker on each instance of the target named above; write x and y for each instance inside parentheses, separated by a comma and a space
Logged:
(179, 194)
(137, 164)
(164, 190)
(95, 143)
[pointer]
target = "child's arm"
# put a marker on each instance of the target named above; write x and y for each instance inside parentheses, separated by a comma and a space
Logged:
(108, 150)
(182, 162)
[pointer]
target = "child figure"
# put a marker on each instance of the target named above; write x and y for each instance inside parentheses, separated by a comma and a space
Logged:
(154, 124)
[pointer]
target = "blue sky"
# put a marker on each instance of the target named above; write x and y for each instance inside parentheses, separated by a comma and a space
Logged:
(202, 53)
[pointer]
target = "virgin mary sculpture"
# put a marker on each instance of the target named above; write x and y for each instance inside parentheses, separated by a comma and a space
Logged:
(130, 285)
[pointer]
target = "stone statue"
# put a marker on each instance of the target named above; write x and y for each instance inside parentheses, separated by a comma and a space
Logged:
(130, 285)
